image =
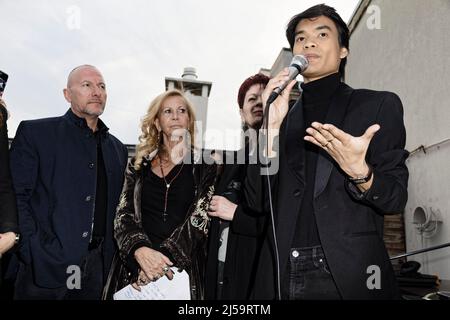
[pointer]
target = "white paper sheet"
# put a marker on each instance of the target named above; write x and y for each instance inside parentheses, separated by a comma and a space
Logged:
(164, 289)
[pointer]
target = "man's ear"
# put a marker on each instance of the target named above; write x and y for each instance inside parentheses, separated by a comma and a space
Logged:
(344, 53)
(67, 95)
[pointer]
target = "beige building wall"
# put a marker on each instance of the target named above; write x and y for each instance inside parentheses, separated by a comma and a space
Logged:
(410, 55)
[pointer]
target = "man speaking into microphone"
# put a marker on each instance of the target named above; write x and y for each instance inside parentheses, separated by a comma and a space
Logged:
(341, 169)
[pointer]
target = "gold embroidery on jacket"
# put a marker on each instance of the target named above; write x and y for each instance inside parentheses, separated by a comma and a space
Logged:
(200, 218)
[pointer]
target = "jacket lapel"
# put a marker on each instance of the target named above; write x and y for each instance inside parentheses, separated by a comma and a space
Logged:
(335, 116)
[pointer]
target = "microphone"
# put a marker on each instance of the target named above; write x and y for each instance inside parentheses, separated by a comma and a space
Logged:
(298, 65)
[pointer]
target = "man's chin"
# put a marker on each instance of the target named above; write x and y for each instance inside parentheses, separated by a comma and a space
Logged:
(97, 112)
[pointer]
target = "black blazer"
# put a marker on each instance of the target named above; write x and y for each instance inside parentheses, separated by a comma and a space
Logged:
(243, 240)
(350, 224)
(8, 210)
(52, 166)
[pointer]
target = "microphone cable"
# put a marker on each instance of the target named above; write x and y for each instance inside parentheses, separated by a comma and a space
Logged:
(269, 187)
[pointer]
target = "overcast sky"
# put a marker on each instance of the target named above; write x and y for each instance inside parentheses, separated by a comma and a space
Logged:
(136, 44)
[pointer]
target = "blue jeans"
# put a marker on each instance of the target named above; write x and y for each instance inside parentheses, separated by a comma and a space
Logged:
(309, 275)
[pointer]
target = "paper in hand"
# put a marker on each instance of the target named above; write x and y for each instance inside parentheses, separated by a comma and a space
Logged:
(163, 289)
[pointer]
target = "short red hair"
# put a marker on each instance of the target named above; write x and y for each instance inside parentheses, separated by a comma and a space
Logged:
(258, 78)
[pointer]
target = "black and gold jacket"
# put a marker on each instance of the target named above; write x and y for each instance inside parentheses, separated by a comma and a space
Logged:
(187, 246)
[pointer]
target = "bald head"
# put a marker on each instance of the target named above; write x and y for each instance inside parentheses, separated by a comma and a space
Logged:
(86, 91)
(74, 75)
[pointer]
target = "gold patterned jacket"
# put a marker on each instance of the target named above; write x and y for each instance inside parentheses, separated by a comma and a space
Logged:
(187, 244)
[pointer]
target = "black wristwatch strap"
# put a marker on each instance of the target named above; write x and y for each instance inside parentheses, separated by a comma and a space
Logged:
(361, 180)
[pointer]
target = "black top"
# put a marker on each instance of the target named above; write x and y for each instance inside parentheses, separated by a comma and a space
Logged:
(179, 199)
(8, 211)
(101, 193)
(316, 97)
(101, 187)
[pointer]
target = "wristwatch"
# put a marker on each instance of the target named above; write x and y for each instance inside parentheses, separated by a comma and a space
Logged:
(361, 180)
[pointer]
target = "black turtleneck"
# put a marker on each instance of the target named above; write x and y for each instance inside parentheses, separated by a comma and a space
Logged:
(316, 97)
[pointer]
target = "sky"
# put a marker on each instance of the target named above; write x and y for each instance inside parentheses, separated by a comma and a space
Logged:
(136, 44)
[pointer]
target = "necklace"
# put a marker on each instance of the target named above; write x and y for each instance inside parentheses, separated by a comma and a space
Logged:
(168, 186)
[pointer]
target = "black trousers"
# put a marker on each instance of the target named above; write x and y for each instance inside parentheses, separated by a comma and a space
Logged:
(6, 284)
(309, 277)
(91, 282)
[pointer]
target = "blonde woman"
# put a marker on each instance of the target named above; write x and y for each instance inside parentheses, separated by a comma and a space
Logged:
(162, 187)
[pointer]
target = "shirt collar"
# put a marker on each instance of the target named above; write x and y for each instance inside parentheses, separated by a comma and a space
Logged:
(81, 122)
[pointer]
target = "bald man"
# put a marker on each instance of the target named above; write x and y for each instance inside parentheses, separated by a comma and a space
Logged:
(67, 174)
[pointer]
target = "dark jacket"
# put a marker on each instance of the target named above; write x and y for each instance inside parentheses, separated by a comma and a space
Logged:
(350, 223)
(53, 165)
(186, 246)
(8, 210)
(244, 238)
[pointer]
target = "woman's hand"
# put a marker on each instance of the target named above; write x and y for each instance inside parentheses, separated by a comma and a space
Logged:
(6, 241)
(222, 208)
(153, 266)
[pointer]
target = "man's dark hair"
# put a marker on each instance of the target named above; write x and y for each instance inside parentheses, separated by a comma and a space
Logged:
(317, 11)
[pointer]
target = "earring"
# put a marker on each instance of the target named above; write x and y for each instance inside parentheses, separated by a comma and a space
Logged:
(158, 142)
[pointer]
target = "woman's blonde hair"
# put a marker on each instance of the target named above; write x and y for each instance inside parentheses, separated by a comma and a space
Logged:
(149, 140)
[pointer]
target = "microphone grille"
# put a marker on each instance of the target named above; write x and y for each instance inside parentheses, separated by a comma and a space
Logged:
(300, 62)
